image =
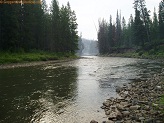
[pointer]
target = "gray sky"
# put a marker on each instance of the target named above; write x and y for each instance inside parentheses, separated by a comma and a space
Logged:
(88, 12)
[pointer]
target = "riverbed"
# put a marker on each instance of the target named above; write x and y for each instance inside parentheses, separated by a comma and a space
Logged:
(67, 92)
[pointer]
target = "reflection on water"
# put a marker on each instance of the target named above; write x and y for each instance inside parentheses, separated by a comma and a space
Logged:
(32, 93)
(69, 92)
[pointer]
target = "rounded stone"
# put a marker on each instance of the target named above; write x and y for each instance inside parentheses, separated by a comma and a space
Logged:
(126, 113)
(93, 121)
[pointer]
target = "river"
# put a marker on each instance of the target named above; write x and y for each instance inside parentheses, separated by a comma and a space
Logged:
(67, 92)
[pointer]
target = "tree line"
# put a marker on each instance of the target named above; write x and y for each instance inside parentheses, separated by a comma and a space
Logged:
(141, 31)
(26, 27)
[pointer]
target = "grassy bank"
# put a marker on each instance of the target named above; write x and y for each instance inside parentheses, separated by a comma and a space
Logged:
(161, 102)
(151, 51)
(140, 54)
(145, 55)
(7, 57)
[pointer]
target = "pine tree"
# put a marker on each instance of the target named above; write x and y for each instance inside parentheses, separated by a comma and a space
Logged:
(161, 19)
(118, 30)
(103, 37)
(154, 27)
(72, 27)
(55, 27)
(139, 30)
(123, 37)
(110, 36)
(28, 27)
(9, 27)
(68, 29)
(130, 32)
(73, 32)
(144, 14)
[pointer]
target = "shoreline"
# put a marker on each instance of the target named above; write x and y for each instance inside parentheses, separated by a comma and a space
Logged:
(133, 55)
(33, 63)
(138, 102)
(24, 57)
(12, 60)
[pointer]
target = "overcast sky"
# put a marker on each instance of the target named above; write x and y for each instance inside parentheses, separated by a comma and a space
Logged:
(88, 12)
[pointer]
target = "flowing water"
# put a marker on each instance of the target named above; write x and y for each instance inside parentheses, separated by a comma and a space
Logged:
(67, 92)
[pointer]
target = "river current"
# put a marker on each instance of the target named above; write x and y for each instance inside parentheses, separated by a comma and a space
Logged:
(67, 92)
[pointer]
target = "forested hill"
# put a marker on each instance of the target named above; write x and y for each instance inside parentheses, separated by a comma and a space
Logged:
(141, 32)
(26, 27)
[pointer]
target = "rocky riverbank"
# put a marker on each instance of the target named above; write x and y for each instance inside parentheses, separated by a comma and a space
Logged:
(138, 102)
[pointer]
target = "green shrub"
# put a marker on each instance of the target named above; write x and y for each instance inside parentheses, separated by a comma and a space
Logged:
(152, 52)
(140, 53)
(8, 57)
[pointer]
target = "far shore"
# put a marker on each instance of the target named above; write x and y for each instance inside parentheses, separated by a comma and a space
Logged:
(12, 60)
(134, 55)
(33, 63)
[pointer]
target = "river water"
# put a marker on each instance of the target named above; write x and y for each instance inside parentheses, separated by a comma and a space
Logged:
(67, 92)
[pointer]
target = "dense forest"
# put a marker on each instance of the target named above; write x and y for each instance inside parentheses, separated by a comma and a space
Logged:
(26, 27)
(141, 32)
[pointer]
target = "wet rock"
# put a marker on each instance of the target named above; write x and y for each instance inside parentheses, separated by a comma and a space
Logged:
(135, 102)
(60, 111)
(113, 108)
(119, 122)
(118, 89)
(144, 102)
(124, 104)
(133, 118)
(120, 107)
(113, 115)
(158, 87)
(109, 121)
(120, 99)
(155, 105)
(147, 107)
(125, 113)
(136, 107)
(108, 112)
(107, 103)
(60, 104)
(149, 121)
(103, 107)
(158, 121)
(128, 121)
(93, 121)
(141, 118)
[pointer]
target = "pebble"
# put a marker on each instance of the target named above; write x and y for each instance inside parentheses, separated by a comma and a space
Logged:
(109, 121)
(149, 121)
(141, 118)
(136, 107)
(125, 113)
(112, 115)
(119, 122)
